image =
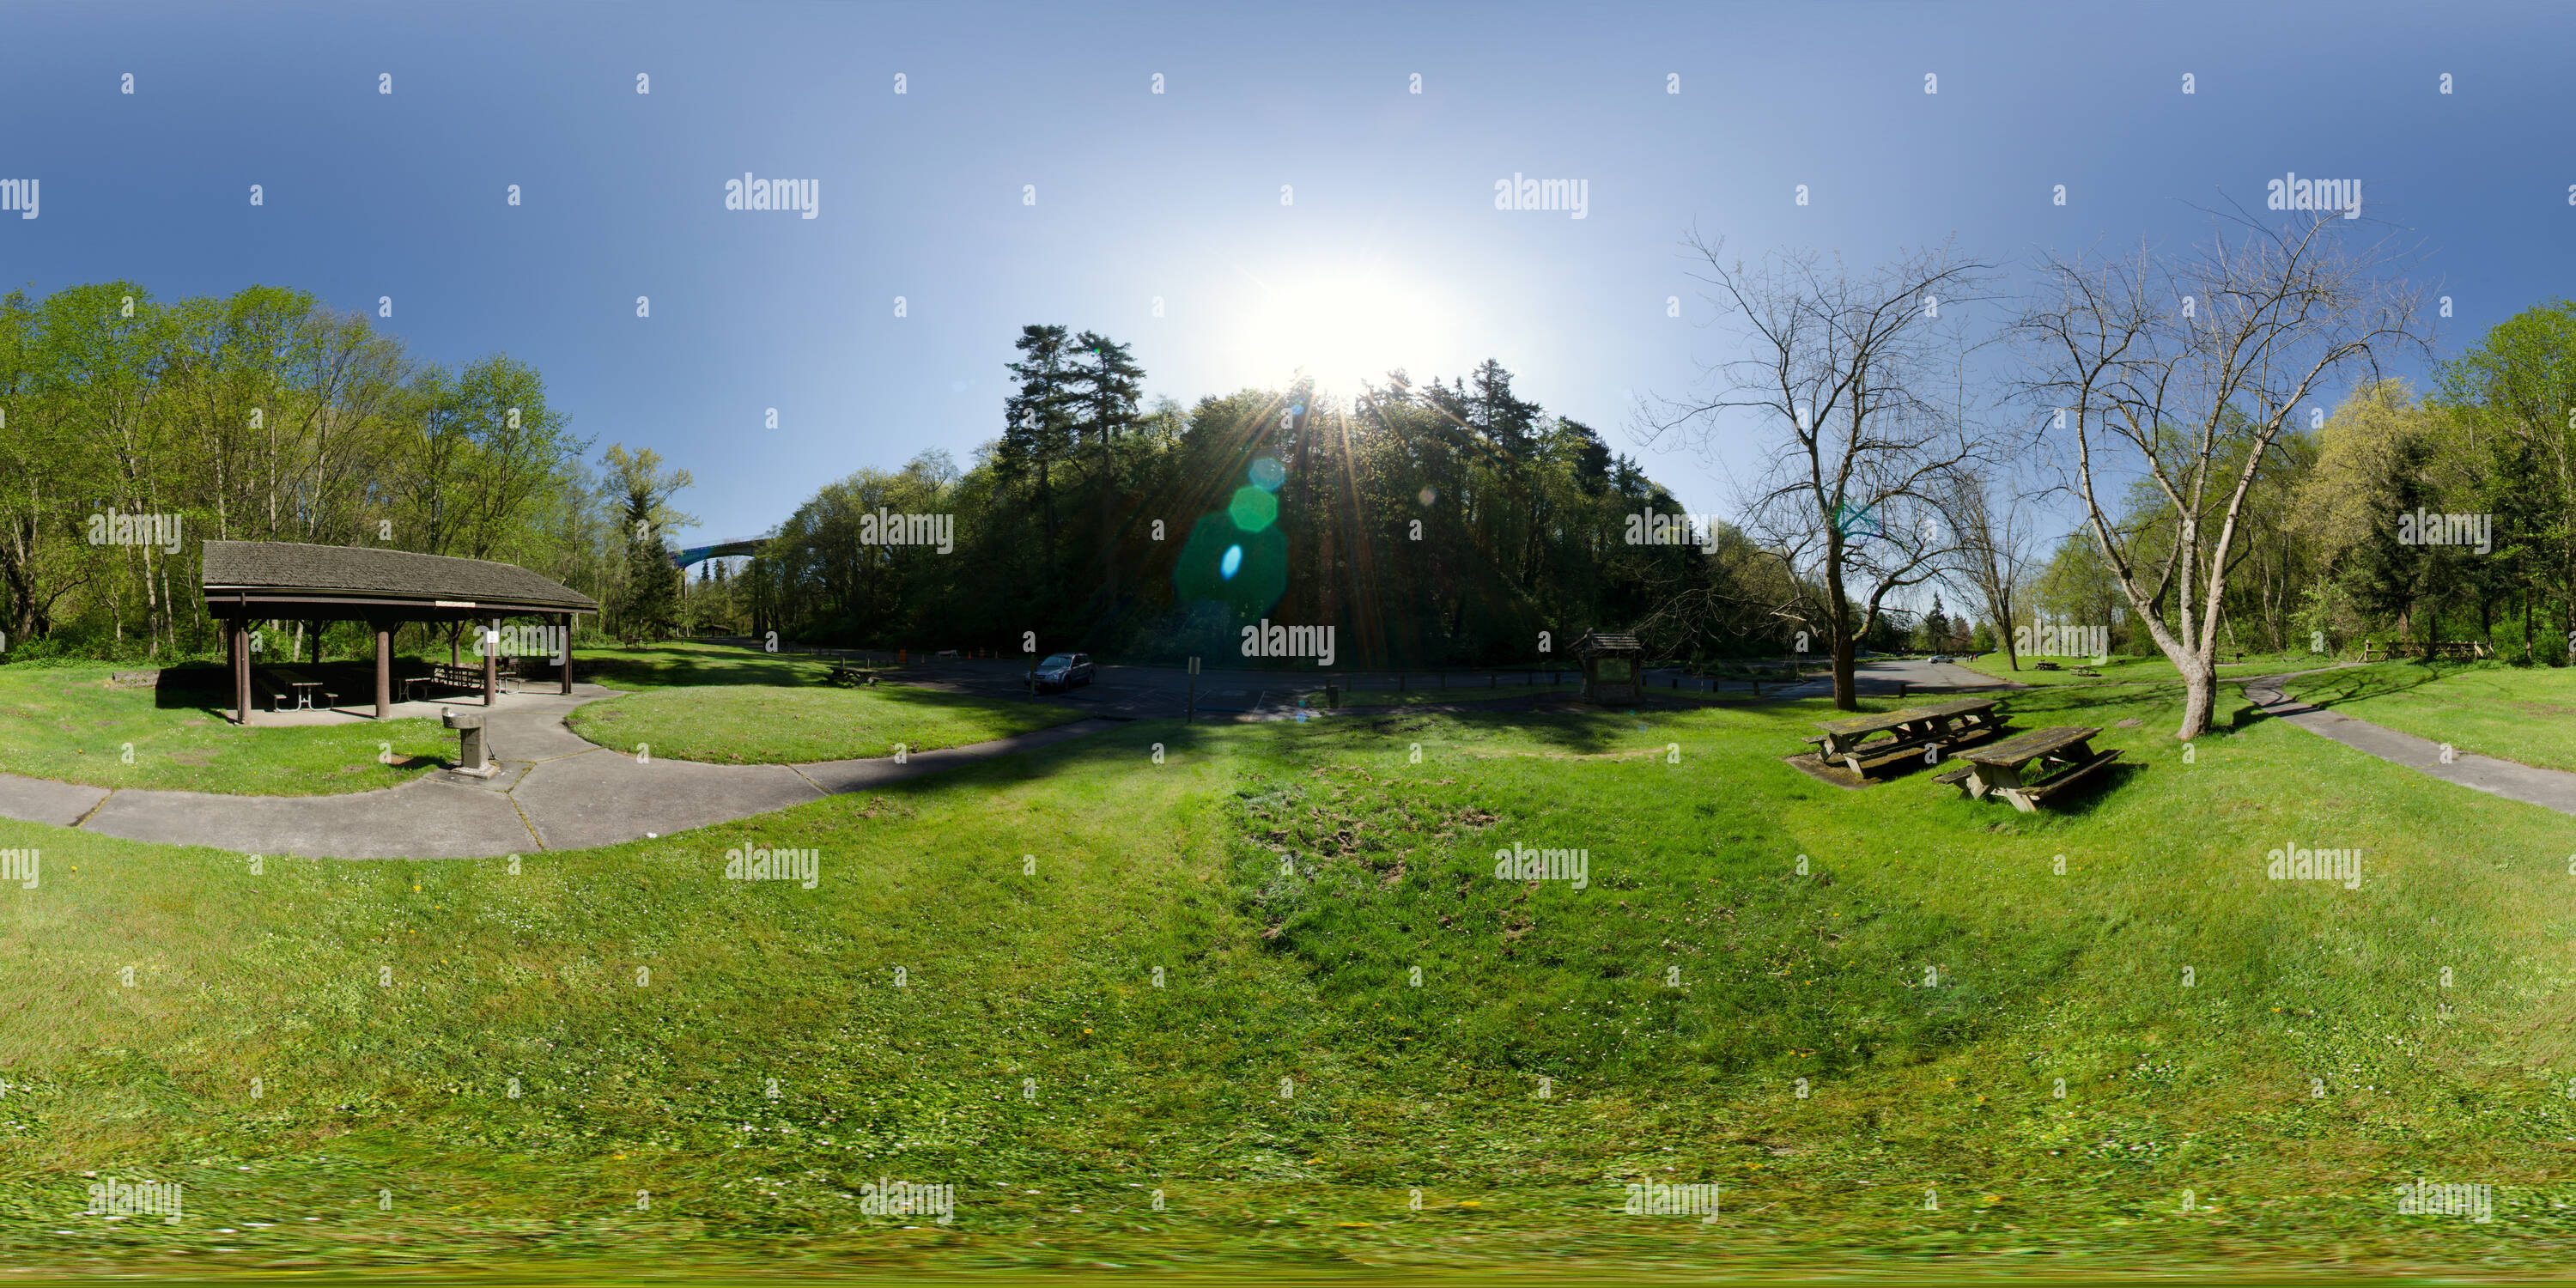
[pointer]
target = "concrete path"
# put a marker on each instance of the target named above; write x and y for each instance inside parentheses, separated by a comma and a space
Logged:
(555, 791)
(2547, 788)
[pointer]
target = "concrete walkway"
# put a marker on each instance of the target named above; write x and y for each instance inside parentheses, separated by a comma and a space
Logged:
(2547, 788)
(555, 791)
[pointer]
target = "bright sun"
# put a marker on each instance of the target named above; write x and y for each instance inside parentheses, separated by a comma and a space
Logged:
(1342, 328)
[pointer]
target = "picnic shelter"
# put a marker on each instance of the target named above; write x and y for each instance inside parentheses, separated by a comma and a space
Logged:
(255, 581)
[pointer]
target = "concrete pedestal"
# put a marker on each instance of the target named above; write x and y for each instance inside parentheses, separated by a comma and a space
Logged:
(473, 757)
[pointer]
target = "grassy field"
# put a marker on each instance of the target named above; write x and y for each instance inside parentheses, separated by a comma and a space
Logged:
(2484, 708)
(1462, 693)
(1064, 982)
(72, 724)
(734, 706)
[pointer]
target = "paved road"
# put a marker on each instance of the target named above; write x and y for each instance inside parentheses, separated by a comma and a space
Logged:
(1162, 692)
(1147, 692)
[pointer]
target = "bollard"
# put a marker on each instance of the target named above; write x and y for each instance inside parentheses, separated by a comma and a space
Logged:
(472, 754)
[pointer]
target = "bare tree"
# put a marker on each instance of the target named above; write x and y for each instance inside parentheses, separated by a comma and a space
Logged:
(1858, 460)
(1996, 549)
(2180, 375)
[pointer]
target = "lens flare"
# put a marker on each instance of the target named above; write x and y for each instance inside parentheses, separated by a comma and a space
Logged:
(1252, 509)
(1223, 566)
(1268, 474)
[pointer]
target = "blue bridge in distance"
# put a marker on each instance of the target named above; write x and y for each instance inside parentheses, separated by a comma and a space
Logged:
(719, 550)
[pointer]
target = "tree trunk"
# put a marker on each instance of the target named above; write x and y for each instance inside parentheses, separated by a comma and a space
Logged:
(2199, 695)
(1846, 691)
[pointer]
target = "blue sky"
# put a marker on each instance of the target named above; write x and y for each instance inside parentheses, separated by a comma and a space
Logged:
(1178, 195)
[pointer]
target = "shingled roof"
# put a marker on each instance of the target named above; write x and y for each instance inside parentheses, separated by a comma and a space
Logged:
(271, 572)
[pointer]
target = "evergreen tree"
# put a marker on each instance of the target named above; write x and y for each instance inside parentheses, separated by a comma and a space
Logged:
(648, 606)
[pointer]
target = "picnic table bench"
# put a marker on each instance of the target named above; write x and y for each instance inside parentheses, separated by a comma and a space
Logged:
(464, 679)
(286, 685)
(851, 676)
(2012, 768)
(1947, 725)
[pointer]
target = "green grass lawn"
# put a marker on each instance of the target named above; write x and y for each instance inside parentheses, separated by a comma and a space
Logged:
(732, 705)
(1461, 693)
(1200, 983)
(2527, 714)
(71, 724)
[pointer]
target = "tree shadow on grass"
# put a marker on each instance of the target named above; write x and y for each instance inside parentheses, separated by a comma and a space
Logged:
(195, 686)
(2365, 682)
(1128, 746)
(663, 669)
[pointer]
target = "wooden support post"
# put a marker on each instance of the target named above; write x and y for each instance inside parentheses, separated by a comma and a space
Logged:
(237, 647)
(384, 668)
(567, 652)
(492, 662)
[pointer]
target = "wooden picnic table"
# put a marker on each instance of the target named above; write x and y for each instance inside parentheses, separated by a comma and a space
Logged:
(1850, 739)
(2012, 768)
(302, 688)
(1847, 733)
